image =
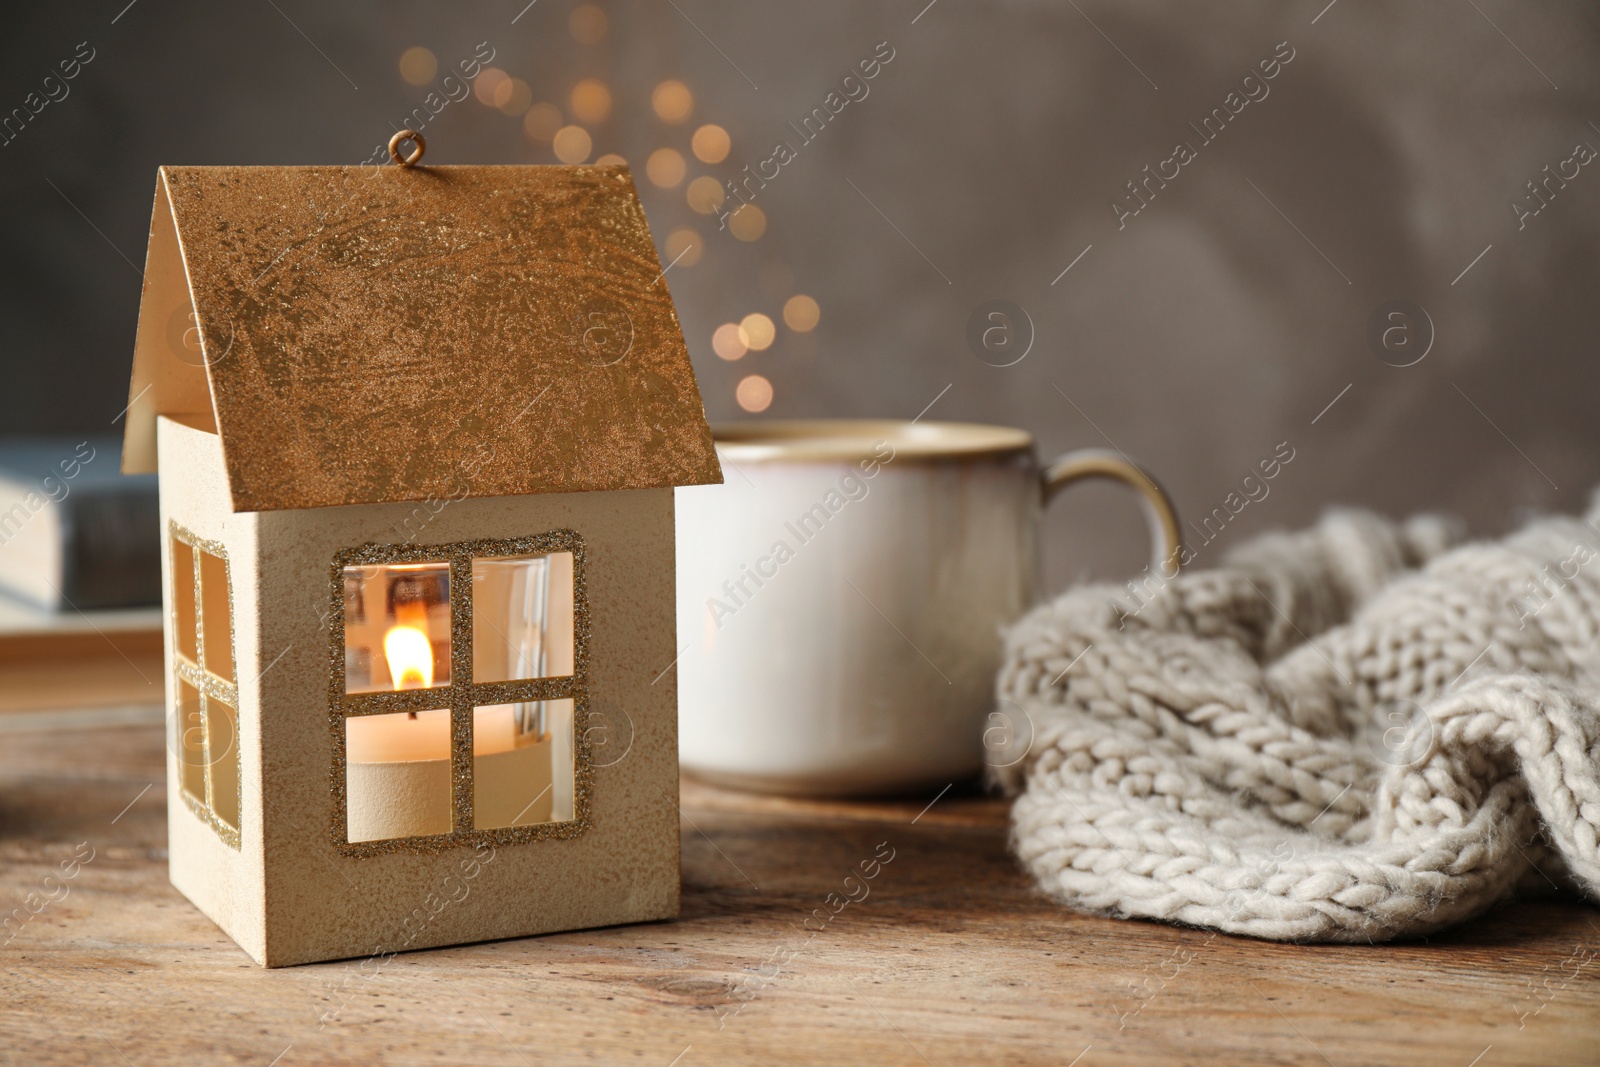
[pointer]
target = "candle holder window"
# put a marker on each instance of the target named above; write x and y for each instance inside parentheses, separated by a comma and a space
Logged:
(396, 627)
(457, 695)
(206, 723)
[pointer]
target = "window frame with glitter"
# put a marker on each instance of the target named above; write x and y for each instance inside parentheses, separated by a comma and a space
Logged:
(206, 665)
(462, 695)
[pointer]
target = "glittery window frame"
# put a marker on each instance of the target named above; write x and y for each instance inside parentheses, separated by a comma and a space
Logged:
(208, 685)
(462, 695)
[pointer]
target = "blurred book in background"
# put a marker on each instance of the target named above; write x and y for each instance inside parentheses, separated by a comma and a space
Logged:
(74, 531)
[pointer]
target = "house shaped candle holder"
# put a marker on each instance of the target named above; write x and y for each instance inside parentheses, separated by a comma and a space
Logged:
(418, 430)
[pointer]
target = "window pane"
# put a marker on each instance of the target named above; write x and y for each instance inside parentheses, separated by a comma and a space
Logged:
(397, 775)
(522, 764)
(396, 627)
(222, 727)
(216, 615)
(189, 742)
(183, 599)
(522, 617)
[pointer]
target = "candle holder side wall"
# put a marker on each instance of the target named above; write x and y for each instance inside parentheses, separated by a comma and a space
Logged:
(225, 879)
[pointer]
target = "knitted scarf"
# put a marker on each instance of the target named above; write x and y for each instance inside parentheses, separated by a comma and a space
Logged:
(1356, 732)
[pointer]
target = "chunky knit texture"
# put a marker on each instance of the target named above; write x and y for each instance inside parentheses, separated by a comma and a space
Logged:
(1352, 733)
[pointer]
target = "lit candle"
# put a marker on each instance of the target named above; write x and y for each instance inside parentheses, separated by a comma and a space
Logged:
(398, 764)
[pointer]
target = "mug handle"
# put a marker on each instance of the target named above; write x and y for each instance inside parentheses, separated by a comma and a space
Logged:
(1166, 538)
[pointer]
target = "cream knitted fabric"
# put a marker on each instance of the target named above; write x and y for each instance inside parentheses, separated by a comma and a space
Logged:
(1317, 740)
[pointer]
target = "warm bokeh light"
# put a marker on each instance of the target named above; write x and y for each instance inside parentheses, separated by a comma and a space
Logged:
(800, 313)
(418, 66)
(591, 101)
(705, 194)
(487, 84)
(572, 144)
(665, 167)
(754, 393)
(710, 144)
(727, 342)
(588, 24)
(513, 96)
(611, 159)
(684, 247)
(757, 331)
(747, 222)
(672, 101)
(542, 121)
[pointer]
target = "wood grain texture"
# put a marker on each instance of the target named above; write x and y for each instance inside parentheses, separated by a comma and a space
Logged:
(948, 957)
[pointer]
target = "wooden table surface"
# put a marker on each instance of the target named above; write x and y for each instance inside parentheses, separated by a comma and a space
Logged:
(949, 958)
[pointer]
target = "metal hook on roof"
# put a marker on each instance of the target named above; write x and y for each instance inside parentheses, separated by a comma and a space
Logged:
(400, 138)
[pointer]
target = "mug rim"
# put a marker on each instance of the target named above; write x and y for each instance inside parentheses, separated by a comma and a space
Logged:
(790, 440)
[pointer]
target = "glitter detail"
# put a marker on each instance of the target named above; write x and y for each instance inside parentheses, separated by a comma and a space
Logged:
(207, 685)
(462, 695)
(439, 303)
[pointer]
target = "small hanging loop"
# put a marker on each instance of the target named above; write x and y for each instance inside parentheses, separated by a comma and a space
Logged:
(400, 138)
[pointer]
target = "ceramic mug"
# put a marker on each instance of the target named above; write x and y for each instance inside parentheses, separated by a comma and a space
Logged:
(841, 594)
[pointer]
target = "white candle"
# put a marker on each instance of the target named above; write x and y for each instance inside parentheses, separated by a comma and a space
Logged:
(398, 768)
(398, 738)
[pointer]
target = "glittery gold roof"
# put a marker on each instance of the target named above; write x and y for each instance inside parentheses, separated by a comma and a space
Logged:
(375, 334)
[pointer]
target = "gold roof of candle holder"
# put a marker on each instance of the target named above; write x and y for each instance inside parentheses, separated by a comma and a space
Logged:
(374, 334)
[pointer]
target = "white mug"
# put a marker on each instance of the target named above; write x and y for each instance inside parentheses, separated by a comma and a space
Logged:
(841, 595)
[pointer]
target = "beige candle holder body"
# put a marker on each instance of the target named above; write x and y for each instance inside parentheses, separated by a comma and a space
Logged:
(287, 894)
(415, 367)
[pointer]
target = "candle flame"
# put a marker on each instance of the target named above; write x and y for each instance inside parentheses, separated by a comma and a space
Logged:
(410, 656)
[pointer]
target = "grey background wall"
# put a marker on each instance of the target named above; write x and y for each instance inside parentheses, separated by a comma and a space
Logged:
(1381, 163)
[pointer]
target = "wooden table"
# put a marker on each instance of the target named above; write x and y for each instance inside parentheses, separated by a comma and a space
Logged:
(950, 958)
